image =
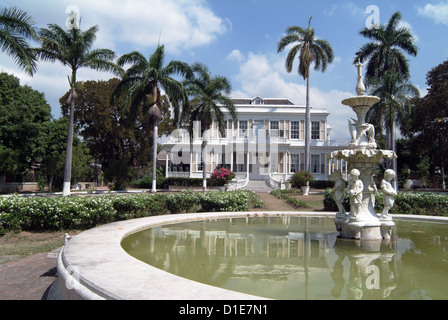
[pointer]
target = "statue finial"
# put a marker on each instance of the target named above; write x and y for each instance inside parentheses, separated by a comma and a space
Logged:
(360, 88)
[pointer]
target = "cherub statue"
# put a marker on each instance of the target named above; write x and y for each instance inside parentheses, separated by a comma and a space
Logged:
(338, 192)
(358, 130)
(373, 189)
(389, 192)
(356, 188)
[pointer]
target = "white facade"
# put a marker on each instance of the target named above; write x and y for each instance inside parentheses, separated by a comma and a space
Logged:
(267, 142)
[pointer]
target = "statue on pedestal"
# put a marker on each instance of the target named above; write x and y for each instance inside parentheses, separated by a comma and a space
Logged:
(389, 193)
(338, 193)
(355, 188)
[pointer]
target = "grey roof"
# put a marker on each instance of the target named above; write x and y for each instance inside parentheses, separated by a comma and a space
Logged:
(249, 101)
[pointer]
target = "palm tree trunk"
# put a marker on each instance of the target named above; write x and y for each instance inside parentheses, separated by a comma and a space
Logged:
(69, 147)
(154, 158)
(204, 159)
(394, 161)
(391, 145)
(154, 115)
(307, 126)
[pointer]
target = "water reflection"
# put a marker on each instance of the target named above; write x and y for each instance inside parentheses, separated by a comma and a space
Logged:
(298, 258)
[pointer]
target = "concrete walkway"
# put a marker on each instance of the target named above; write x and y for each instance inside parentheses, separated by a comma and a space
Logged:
(28, 278)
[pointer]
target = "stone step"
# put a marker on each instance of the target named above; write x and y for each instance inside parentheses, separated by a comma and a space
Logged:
(258, 185)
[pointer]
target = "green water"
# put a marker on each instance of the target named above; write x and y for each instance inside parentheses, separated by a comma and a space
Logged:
(300, 258)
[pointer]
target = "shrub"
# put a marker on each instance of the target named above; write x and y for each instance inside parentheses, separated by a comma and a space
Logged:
(221, 176)
(182, 182)
(301, 178)
(184, 202)
(59, 213)
(419, 203)
(225, 201)
(285, 194)
(322, 184)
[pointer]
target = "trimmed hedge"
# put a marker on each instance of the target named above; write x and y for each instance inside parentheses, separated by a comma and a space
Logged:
(285, 195)
(322, 184)
(419, 203)
(62, 213)
(164, 183)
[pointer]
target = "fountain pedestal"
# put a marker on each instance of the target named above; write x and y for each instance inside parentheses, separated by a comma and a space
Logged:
(362, 222)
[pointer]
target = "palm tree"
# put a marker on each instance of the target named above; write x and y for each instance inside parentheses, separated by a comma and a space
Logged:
(207, 97)
(309, 50)
(394, 108)
(72, 48)
(388, 70)
(384, 53)
(142, 83)
(15, 26)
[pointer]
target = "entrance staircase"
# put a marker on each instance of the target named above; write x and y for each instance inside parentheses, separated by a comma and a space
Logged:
(258, 186)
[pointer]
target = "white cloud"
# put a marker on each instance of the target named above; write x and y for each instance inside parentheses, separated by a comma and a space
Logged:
(437, 12)
(259, 76)
(349, 8)
(235, 55)
(137, 24)
(124, 26)
(179, 24)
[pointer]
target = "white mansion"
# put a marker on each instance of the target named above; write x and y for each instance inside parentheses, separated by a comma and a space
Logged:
(266, 143)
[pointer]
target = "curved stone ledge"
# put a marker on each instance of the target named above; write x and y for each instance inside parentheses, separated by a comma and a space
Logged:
(94, 266)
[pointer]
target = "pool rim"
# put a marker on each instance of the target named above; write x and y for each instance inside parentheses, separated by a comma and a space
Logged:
(90, 265)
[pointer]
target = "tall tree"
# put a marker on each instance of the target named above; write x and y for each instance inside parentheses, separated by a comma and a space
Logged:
(388, 64)
(309, 50)
(385, 52)
(142, 83)
(23, 113)
(430, 121)
(15, 27)
(395, 107)
(73, 48)
(110, 136)
(207, 96)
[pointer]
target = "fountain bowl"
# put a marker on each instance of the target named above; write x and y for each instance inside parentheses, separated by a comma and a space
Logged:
(361, 101)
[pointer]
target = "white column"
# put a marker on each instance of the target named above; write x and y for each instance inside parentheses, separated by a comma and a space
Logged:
(166, 163)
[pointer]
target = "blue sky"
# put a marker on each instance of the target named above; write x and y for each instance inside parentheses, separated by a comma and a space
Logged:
(238, 39)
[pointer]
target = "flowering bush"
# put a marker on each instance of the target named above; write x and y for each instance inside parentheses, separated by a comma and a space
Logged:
(59, 213)
(221, 176)
(301, 178)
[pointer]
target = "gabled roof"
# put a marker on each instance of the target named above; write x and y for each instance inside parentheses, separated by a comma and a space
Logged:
(267, 101)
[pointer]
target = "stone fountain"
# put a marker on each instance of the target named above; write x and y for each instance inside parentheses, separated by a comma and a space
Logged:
(362, 156)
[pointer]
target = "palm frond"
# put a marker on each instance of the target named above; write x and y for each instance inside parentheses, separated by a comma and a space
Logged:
(308, 49)
(15, 27)
(16, 21)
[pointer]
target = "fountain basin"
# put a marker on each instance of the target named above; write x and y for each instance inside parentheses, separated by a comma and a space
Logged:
(361, 101)
(361, 156)
(93, 265)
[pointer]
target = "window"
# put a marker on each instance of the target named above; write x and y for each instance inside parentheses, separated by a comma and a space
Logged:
(315, 163)
(295, 129)
(242, 132)
(294, 163)
(315, 130)
(199, 161)
(258, 101)
(239, 162)
(275, 126)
